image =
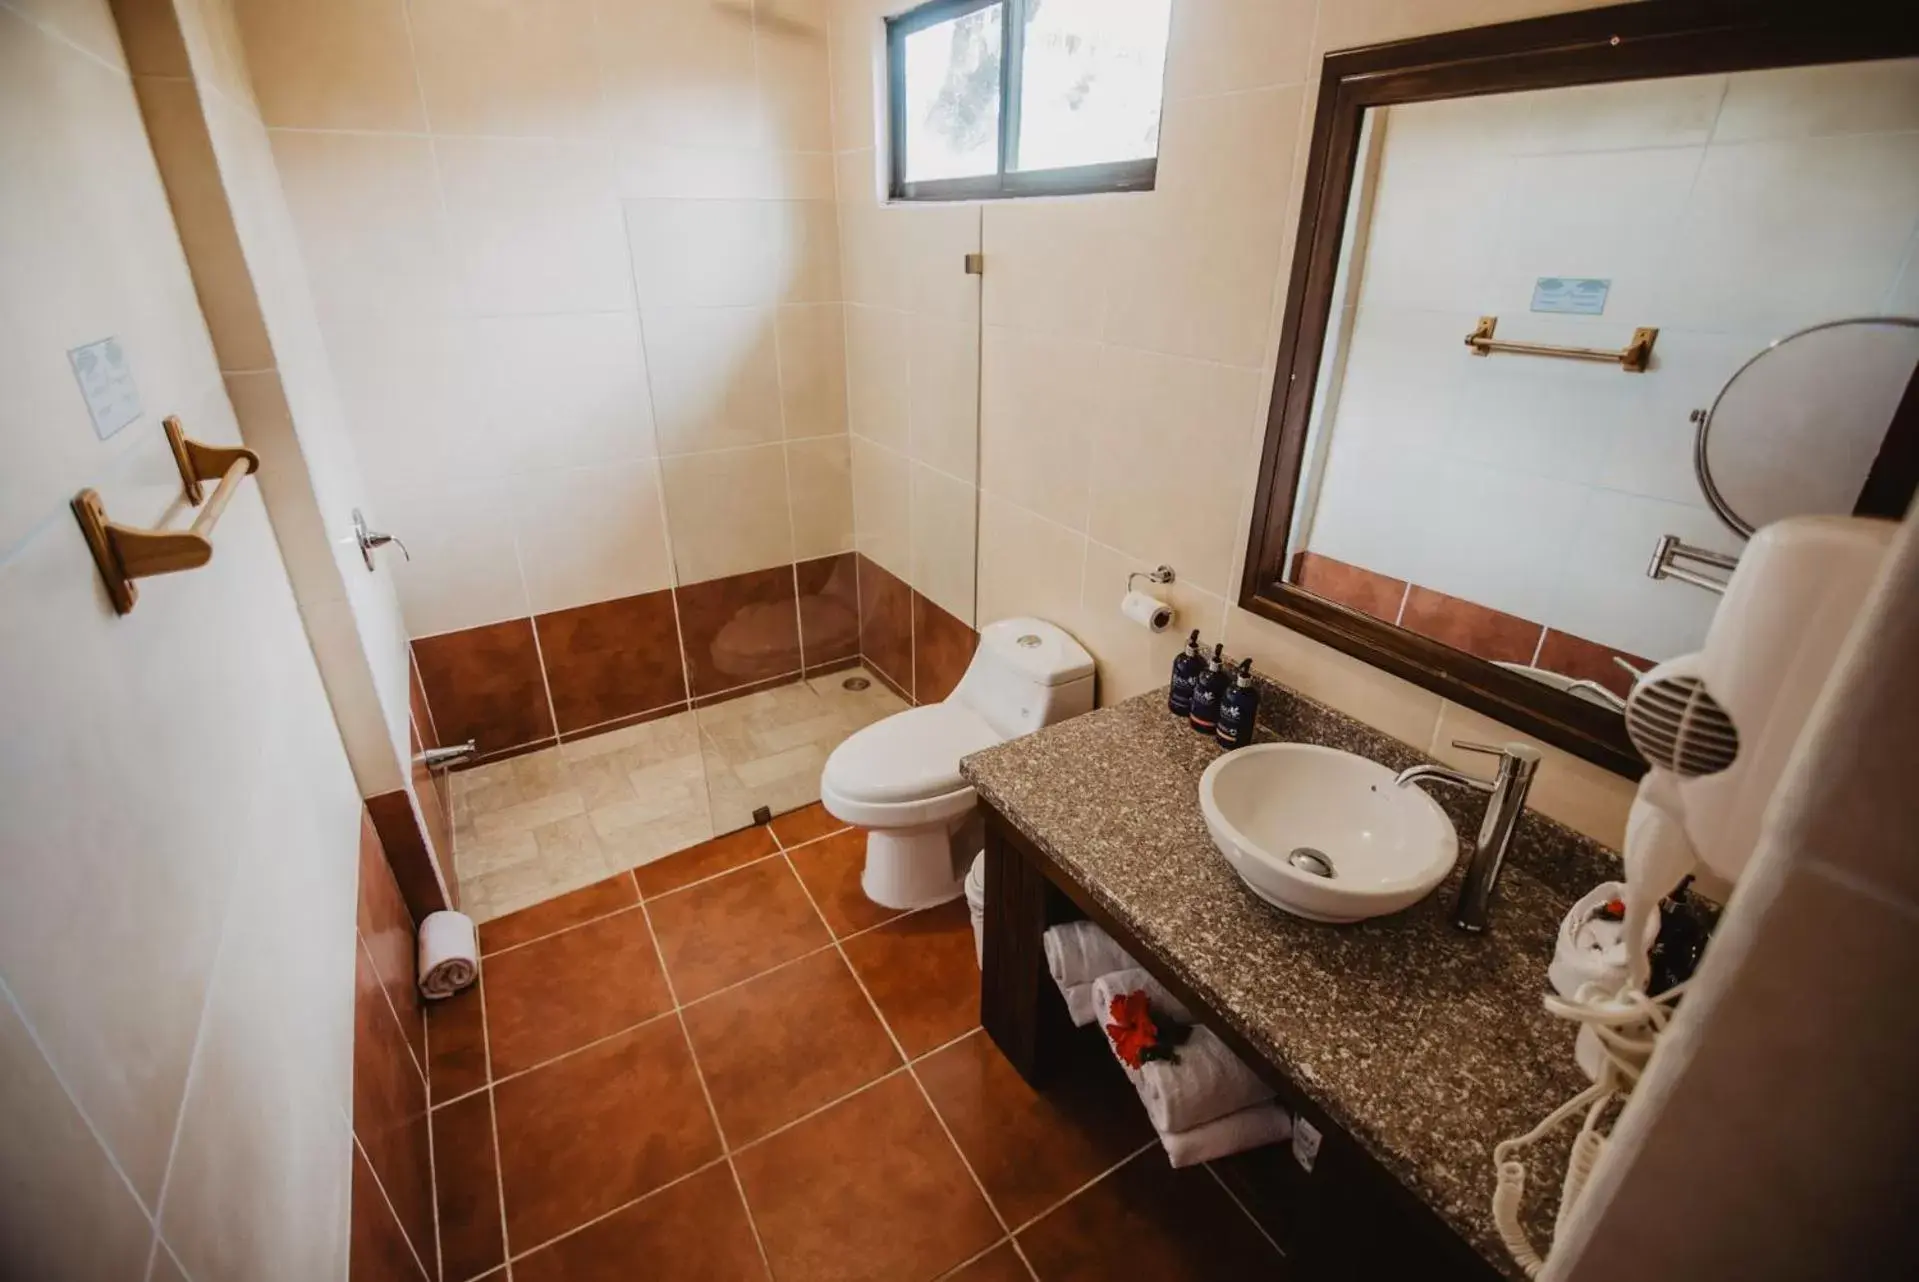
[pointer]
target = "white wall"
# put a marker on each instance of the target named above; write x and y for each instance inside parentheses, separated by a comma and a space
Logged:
(175, 805)
(1725, 210)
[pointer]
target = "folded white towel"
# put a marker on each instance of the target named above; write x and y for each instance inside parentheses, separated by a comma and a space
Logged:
(449, 954)
(1205, 1082)
(1081, 1004)
(1079, 952)
(1225, 1136)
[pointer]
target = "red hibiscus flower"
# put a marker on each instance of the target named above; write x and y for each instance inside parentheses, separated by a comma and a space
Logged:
(1132, 1031)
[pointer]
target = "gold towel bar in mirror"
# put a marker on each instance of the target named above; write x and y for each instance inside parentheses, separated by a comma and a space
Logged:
(125, 553)
(1633, 357)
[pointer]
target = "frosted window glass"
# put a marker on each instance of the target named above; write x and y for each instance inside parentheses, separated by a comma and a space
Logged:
(952, 97)
(1091, 81)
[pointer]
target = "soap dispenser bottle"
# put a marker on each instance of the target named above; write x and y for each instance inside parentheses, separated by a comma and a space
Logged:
(1206, 693)
(1238, 709)
(1187, 666)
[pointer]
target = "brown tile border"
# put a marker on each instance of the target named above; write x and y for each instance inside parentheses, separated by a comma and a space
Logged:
(886, 625)
(1353, 586)
(611, 659)
(889, 683)
(1586, 660)
(740, 692)
(486, 684)
(740, 629)
(407, 851)
(942, 648)
(621, 723)
(828, 669)
(829, 602)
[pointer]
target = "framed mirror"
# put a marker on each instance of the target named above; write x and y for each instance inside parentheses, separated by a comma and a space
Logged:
(1576, 304)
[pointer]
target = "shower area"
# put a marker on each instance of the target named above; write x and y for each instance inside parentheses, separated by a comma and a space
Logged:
(676, 420)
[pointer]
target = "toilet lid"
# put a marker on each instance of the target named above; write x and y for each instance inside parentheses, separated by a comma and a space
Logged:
(909, 756)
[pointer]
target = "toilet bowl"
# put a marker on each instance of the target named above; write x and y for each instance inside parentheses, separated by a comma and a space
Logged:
(899, 777)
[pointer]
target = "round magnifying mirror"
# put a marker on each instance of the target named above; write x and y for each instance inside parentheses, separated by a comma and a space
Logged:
(1795, 431)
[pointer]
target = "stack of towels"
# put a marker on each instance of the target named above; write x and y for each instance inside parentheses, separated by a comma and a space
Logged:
(1203, 1100)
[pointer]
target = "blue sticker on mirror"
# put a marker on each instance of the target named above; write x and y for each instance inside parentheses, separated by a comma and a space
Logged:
(1570, 295)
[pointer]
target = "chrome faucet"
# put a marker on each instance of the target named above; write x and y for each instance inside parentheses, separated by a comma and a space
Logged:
(1507, 797)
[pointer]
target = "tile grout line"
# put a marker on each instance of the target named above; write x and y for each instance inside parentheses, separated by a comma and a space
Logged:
(901, 1049)
(1031, 1220)
(1233, 1197)
(535, 1249)
(493, 1124)
(418, 1066)
(432, 1147)
(386, 1200)
(699, 1075)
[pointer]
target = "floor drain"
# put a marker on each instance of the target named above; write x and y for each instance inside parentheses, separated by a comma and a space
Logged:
(855, 683)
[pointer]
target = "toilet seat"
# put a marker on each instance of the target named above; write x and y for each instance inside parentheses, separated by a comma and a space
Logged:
(904, 770)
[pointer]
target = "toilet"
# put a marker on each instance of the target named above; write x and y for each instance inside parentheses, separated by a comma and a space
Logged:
(899, 778)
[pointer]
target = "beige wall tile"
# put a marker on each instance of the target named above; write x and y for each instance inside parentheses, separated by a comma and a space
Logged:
(53, 1166)
(216, 48)
(945, 531)
(707, 253)
(729, 512)
(340, 65)
(410, 393)
(535, 224)
(858, 41)
(1348, 24)
(943, 367)
(1573, 791)
(872, 238)
(221, 279)
(366, 208)
(883, 506)
(809, 240)
(1223, 46)
(715, 374)
(1165, 421)
(663, 173)
(87, 23)
(465, 568)
(1027, 565)
(931, 244)
(1358, 689)
(1039, 412)
(678, 73)
(819, 480)
(1050, 262)
(591, 534)
(1204, 247)
(790, 50)
(523, 67)
(266, 424)
(877, 351)
(812, 341)
(562, 391)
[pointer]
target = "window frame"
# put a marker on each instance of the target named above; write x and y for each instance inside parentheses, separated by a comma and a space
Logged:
(1008, 181)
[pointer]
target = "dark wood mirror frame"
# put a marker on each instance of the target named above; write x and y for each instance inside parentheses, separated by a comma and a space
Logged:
(1647, 40)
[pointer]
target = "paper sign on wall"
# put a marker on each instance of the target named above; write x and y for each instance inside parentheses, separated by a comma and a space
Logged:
(1570, 295)
(107, 383)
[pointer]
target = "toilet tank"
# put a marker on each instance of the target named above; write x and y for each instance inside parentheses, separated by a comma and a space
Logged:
(1026, 673)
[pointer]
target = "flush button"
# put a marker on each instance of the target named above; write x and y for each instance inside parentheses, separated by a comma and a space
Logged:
(1028, 642)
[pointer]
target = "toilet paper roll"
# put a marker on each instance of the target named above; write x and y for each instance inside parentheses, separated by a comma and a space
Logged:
(1149, 612)
(449, 954)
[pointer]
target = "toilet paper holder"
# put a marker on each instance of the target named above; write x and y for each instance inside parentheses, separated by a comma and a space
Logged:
(1159, 574)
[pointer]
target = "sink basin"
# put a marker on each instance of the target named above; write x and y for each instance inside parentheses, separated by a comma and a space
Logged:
(1324, 834)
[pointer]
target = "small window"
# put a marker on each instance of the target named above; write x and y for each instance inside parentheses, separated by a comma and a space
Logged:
(995, 98)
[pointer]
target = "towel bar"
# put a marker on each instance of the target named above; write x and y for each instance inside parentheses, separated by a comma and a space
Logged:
(1633, 357)
(124, 553)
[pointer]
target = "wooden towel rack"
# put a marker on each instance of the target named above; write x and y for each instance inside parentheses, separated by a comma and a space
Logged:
(1633, 357)
(125, 553)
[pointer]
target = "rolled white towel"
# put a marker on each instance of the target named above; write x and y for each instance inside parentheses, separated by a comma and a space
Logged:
(1224, 1136)
(1079, 952)
(449, 954)
(1206, 1081)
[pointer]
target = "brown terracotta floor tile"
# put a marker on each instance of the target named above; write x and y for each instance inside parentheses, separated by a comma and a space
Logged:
(796, 827)
(378, 1250)
(695, 1231)
(696, 863)
(389, 1108)
(1001, 1264)
(733, 927)
(467, 1179)
(831, 870)
(561, 992)
(779, 1046)
(923, 974)
(1147, 1220)
(593, 1131)
(1030, 1149)
(868, 1189)
(456, 1044)
(556, 914)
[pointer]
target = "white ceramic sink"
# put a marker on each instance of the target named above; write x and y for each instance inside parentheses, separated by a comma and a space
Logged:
(1287, 814)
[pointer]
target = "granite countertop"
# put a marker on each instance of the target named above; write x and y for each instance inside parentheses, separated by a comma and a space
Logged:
(1426, 1044)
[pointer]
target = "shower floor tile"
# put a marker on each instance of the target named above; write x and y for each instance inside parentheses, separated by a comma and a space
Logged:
(726, 1075)
(535, 826)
